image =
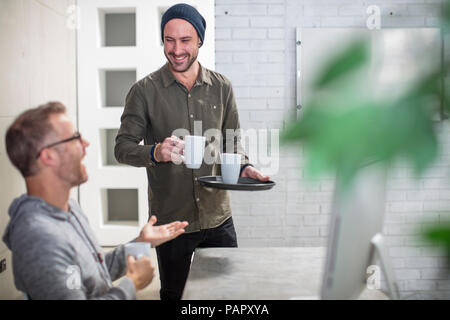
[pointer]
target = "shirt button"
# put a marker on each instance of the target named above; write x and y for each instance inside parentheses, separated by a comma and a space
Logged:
(195, 179)
(192, 115)
(189, 95)
(198, 199)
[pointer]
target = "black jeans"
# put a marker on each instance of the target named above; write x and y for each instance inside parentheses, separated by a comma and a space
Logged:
(174, 257)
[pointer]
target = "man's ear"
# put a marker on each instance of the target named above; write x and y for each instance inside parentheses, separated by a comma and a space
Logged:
(48, 157)
(200, 44)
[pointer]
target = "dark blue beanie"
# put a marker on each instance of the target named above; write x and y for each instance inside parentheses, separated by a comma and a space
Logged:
(185, 12)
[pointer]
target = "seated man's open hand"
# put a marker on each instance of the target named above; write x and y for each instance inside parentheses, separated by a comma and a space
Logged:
(157, 235)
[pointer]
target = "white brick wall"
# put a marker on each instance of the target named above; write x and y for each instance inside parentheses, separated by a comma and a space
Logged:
(255, 49)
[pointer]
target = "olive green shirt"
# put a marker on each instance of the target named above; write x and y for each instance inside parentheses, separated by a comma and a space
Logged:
(155, 107)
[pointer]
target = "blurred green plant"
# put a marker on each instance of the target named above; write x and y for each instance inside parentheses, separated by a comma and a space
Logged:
(344, 130)
(344, 127)
(440, 235)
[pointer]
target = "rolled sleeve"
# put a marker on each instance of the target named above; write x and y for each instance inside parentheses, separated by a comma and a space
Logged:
(134, 125)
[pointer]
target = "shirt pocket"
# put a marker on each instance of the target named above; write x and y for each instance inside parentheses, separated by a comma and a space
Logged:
(212, 114)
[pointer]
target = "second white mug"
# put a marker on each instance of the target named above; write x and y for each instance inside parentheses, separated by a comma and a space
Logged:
(230, 167)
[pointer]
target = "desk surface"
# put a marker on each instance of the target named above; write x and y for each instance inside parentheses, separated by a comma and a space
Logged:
(259, 274)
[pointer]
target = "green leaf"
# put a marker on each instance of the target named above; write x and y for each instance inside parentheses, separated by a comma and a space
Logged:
(440, 235)
(446, 11)
(349, 60)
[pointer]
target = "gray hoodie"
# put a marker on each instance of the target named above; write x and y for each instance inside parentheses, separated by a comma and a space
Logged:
(55, 254)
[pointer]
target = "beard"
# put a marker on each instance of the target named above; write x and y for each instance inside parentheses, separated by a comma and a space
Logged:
(81, 176)
(72, 171)
(183, 66)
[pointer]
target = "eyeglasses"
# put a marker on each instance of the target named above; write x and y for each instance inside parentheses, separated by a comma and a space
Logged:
(76, 136)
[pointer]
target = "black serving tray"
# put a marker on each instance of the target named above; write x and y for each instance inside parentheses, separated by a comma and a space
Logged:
(244, 184)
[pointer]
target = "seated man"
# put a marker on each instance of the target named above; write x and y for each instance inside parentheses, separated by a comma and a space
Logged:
(55, 254)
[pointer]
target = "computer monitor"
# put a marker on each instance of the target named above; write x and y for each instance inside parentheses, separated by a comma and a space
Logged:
(355, 236)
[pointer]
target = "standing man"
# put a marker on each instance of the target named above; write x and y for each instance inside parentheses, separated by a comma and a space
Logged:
(55, 253)
(180, 95)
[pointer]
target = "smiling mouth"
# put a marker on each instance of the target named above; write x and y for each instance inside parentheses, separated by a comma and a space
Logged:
(179, 58)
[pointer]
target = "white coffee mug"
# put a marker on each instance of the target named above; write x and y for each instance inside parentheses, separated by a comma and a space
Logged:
(137, 250)
(194, 149)
(230, 166)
